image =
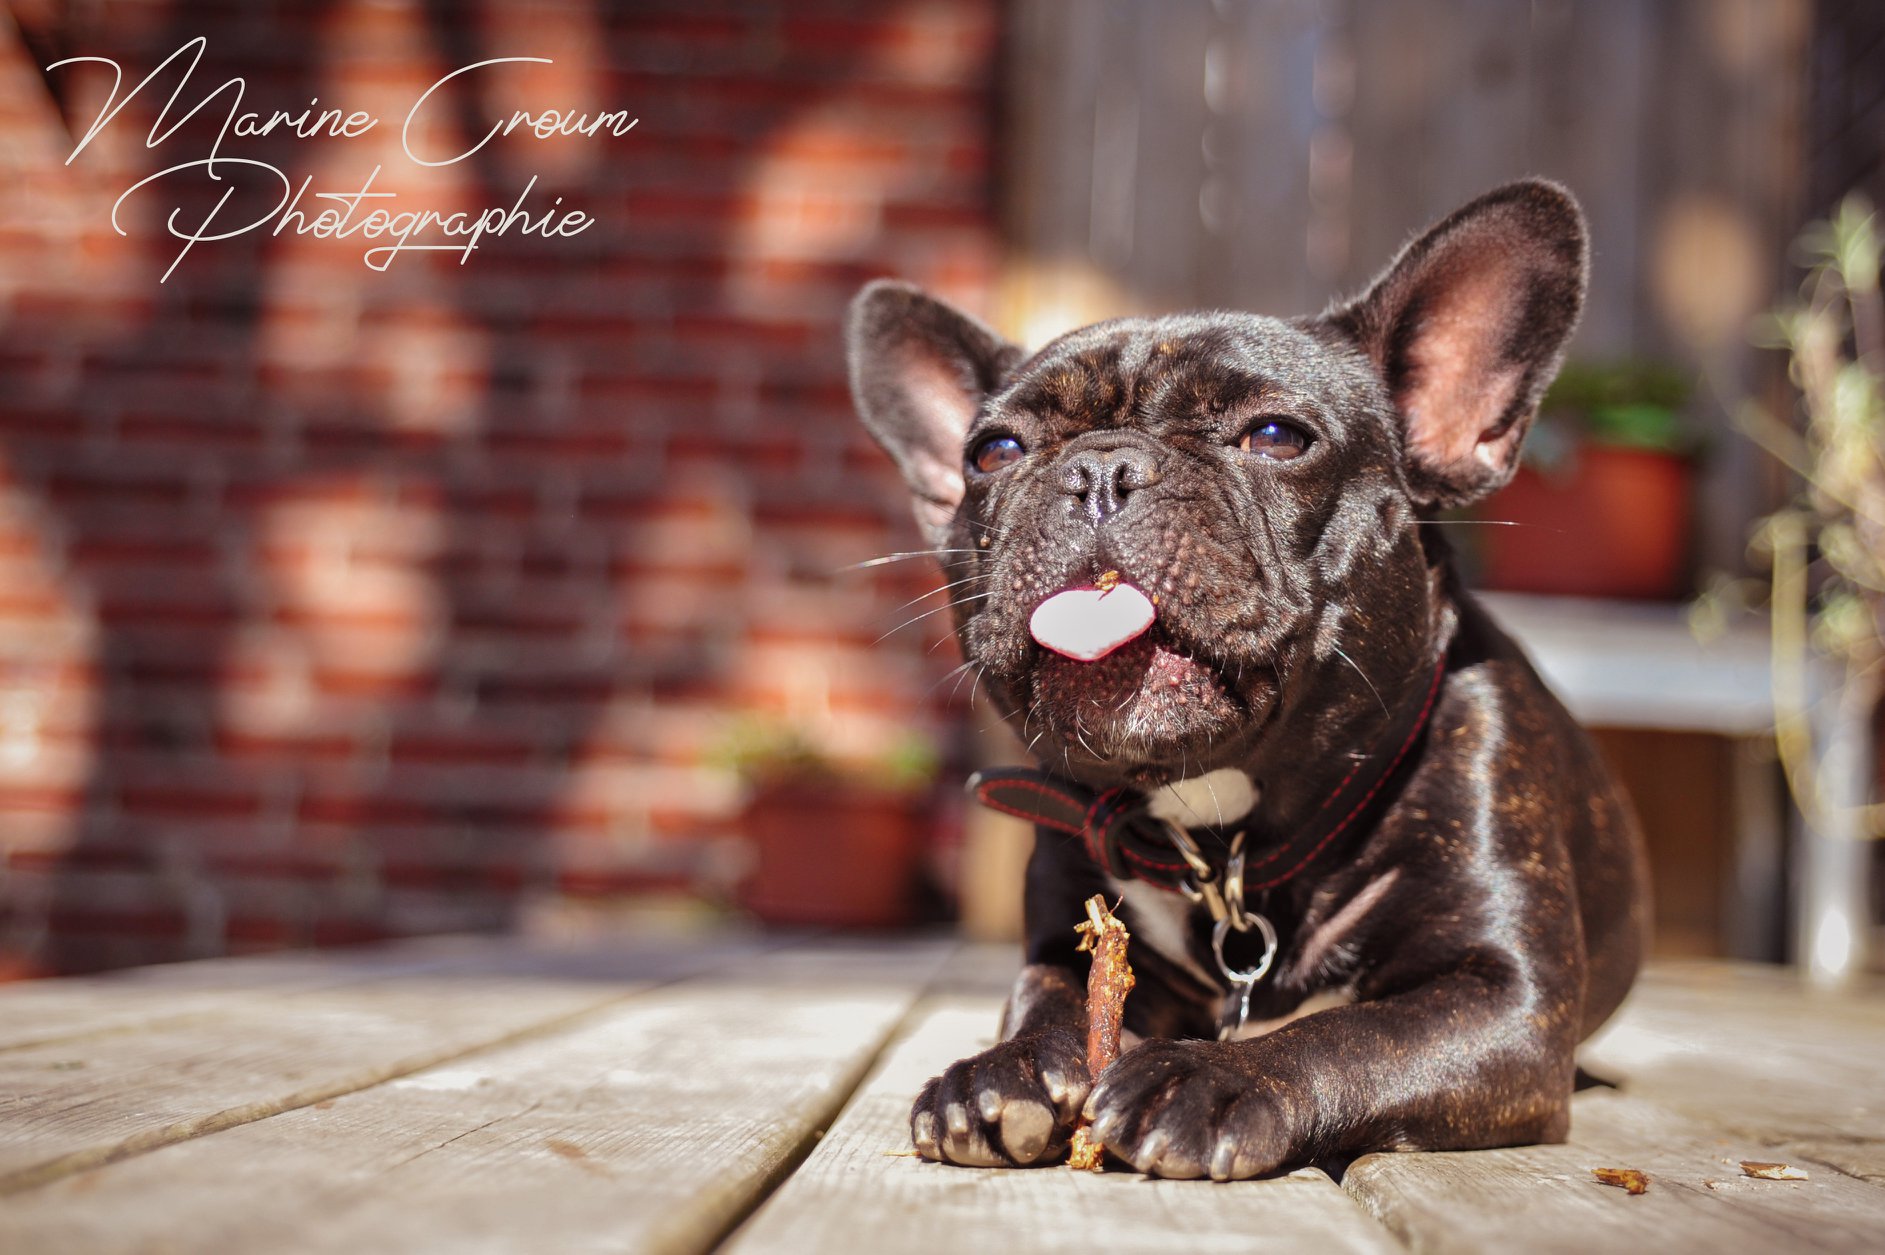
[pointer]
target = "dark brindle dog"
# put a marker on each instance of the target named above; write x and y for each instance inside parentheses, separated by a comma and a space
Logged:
(1319, 736)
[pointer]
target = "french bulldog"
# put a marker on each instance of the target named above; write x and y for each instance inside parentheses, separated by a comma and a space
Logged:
(1449, 887)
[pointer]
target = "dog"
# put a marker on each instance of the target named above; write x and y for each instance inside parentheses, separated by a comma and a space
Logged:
(1332, 798)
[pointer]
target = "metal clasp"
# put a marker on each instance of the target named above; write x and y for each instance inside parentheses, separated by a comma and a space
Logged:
(1242, 982)
(1222, 895)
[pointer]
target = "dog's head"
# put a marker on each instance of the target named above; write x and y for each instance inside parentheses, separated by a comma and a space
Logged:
(1260, 480)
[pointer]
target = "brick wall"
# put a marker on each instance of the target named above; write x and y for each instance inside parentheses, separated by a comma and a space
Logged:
(336, 604)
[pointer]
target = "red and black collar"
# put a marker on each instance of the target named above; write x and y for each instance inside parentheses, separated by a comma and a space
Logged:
(1129, 843)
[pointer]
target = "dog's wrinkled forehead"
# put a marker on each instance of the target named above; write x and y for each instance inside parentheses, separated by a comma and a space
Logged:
(1453, 346)
(1145, 371)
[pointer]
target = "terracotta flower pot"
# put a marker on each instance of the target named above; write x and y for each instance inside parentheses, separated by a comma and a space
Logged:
(1617, 526)
(833, 854)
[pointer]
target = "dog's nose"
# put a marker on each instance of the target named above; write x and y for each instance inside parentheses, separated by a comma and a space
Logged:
(1103, 479)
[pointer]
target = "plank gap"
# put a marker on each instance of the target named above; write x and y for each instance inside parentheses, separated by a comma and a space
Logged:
(824, 1119)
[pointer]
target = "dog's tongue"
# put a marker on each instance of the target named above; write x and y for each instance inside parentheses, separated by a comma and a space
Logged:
(1087, 624)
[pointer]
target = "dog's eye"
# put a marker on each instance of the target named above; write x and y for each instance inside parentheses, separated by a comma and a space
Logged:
(995, 452)
(1274, 440)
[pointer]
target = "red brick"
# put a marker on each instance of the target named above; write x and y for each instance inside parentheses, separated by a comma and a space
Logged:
(251, 747)
(189, 803)
(375, 685)
(155, 921)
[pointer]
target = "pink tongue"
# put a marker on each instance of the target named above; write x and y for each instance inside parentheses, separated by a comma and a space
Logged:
(1086, 624)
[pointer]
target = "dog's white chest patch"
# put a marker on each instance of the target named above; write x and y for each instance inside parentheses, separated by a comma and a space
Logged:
(1216, 798)
(1163, 920)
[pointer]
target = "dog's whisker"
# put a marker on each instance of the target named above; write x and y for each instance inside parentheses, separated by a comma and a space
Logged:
(953, 672)
(938, 643)
(927, 613)
(889, 558)
(1217, 807)
(1340, 653)
(967, 579)
(964, 672)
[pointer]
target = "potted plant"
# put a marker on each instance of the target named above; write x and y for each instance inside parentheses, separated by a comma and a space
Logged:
(838, 841)
(1826, 554)
(1601, 505)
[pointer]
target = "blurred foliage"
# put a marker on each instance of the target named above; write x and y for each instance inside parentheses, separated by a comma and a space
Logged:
(1834, 336)
(1594, 385)
(1630, 404)
(765, 749)
(1826, 547)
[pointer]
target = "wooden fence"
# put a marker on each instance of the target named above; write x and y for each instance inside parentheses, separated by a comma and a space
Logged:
(1268, 155)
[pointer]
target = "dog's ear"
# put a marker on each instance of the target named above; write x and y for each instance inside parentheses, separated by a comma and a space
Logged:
(1468, 327)
(919, 372)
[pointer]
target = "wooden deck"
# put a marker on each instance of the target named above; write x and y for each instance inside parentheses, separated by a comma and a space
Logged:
(751, 1094)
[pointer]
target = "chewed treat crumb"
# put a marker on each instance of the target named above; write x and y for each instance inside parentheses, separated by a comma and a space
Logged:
(1623, 1178)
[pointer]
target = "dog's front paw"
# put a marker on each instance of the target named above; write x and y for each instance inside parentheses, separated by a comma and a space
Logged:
(1189, 1109)
(1012, 1105)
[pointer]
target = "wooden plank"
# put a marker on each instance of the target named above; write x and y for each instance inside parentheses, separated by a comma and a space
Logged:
(860, 1190)
(1260, 142)
(72, 1104)
(651, 1127)
(1749, 1047)
(39, 1012)
(1721, 151)
(984, 970)
(1588, 90)
(1403, 55)
(1757, 1052)
(1053, 79)
(1855, 1155)
(1544, 1199)
(1159, 54)
(1480, 114)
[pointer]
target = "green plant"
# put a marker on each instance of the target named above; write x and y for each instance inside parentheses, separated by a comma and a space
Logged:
(1631, 404)
(763, 749)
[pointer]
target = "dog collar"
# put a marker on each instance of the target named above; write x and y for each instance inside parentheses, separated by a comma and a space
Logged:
(1129, 843)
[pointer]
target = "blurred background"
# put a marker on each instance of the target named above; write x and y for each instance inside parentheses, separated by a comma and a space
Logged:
(533, 592)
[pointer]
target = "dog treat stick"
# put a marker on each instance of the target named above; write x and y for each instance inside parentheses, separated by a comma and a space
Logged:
(1107, 984)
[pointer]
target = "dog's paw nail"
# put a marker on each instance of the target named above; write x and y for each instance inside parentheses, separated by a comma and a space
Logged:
(1150, 1149)
(1107, 1128)
(1025, 1128)
(1055, 1084)
(989, 1103)
(923, 1134)
(1224, 1159)
(956, 1117)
